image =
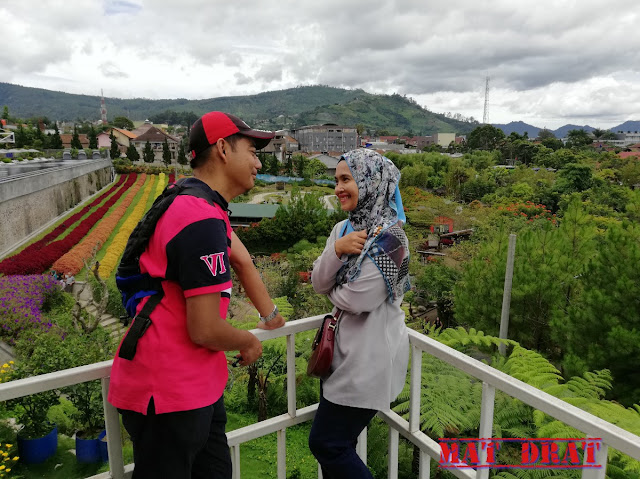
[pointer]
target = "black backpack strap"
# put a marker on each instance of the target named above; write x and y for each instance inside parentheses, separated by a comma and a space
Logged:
(139, 326)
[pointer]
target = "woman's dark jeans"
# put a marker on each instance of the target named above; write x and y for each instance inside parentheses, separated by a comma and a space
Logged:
(333, 439)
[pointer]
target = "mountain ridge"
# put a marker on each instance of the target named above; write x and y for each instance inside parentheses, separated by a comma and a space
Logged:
(293, 107)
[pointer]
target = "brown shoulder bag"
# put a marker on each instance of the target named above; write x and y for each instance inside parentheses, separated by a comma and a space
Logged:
(322, 347)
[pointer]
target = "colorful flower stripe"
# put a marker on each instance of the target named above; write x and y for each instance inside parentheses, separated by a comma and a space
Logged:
(21, 300)
(45, 257)
(5, 265)
(172, 178)
(160, 185)
(73, 261)
(110, 261)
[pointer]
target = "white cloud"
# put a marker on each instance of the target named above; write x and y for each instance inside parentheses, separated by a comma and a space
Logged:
(554, 61)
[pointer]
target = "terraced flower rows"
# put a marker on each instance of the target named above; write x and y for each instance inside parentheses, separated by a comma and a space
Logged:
(41, 255)
(107, 220)
(73, 261)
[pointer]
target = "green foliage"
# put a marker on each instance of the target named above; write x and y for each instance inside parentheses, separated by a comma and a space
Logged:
(93, 138)
(147, 153)
(435, 283)
(132, 153)
(578, 139)
(547, 269)
(122, 122)
(114, 151)
(485, 137)
(602, 329)
(303, 218)
(574, 177)
(166, 153)
(75, 139)
(182, 158)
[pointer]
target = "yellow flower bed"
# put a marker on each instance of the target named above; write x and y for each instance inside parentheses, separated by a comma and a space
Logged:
(116, 248)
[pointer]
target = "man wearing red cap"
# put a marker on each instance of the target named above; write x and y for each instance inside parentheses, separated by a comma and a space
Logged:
(170, 393)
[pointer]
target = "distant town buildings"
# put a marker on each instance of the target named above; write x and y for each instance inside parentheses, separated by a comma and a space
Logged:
(326, 138)
(156, 137)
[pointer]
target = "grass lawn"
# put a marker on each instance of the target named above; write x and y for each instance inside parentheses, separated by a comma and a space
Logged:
(259, 458)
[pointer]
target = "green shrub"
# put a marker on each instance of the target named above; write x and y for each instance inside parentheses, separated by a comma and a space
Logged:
(114, 304)
(62, 415)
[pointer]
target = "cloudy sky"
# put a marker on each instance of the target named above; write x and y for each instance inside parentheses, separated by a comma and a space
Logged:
(550, 62)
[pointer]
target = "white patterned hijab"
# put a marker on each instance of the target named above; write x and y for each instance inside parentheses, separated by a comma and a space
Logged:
(386, 244)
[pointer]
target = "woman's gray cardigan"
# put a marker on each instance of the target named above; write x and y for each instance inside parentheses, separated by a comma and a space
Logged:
(372, 345)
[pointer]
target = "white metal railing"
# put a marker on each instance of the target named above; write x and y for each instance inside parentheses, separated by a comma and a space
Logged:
(491, 378)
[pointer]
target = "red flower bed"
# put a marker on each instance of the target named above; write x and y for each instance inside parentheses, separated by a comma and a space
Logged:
(6, 266)
(42, 260)
(172, 178)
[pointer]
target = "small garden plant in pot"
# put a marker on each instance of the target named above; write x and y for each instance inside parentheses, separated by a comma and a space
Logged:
(38, 438)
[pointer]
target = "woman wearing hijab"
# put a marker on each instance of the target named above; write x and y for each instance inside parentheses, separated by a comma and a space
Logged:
(364, 270)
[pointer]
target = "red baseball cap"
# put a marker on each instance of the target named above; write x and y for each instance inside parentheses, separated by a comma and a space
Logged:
(208, 129)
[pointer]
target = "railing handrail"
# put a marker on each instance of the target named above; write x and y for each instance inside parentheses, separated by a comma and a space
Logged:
(573, 416)
(593, 426)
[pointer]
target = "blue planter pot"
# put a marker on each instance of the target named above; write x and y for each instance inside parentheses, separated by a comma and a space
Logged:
(90, 450)
(36, 451)
(102, 445)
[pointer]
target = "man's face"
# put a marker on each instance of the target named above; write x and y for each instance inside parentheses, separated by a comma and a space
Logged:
(243, 163)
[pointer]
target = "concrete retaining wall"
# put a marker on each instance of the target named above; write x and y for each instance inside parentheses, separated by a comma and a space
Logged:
(28, 203)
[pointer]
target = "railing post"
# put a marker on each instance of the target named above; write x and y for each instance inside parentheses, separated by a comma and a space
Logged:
(425, 466)
(392, 466)
(291, 374)
(235, 461)
(361, 446)
(282, 454)
(486, 426)
(416, 386)
(601, 459)
(114, 436)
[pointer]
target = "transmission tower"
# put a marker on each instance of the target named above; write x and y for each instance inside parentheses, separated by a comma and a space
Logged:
(485, 116)
(103, 109)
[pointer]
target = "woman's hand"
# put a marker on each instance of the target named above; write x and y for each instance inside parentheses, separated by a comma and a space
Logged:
(351, 243)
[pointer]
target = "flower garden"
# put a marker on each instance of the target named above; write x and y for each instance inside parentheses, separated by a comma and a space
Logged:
(36, 319)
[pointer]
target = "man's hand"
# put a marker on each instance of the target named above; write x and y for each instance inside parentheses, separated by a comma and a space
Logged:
(275, 323)
(251, 353)
(351, 243)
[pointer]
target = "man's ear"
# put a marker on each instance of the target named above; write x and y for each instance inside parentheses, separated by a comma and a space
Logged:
(220, 148)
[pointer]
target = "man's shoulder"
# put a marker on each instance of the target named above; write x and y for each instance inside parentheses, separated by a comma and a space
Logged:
(194, 208)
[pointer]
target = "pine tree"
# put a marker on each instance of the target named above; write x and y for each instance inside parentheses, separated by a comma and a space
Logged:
(5, 113)
(132, 153)
(21, 137)
(147, 154)
(166, 153)
(602, 329)
(93, 138)
(115, 150)
(288, 166)
(56, 141)
(182, 159)
(75, 139)
(300, 163)
(546, 279)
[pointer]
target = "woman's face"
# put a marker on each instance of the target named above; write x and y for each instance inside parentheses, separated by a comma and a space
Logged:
(346, 187)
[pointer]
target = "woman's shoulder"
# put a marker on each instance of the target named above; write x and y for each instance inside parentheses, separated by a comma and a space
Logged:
(339, 227)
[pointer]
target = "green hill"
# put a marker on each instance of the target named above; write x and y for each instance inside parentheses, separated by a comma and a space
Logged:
(394, 113)
(293, 107)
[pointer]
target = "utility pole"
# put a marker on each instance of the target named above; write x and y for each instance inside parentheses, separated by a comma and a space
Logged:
(485, 116)
(506, 296)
